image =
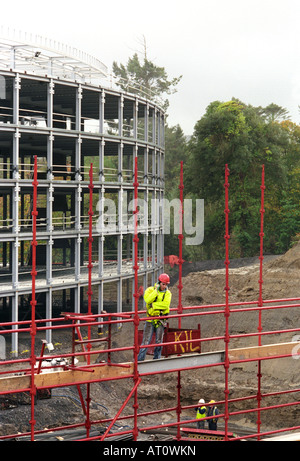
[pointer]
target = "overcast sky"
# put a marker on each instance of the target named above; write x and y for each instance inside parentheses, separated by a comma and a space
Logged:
(247, 49)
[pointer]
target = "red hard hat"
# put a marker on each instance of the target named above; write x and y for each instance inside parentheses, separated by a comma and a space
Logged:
(164, 278)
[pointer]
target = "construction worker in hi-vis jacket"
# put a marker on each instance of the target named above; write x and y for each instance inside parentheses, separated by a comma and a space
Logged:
(158, 300)
(201, 414)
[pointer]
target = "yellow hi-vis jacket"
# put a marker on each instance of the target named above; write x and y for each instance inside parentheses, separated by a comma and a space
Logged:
(157, 303)
(200, 415)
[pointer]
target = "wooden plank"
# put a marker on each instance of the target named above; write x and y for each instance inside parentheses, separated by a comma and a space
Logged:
(258, 352)
(68, 377)
(98, 373)
(14, 383)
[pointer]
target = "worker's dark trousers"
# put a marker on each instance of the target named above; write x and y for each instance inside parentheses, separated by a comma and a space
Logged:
(212, 426)
(149, 330)
(200, 424)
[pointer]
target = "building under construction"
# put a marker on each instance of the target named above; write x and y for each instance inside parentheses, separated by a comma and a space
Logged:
(54, 106)
(66, 145)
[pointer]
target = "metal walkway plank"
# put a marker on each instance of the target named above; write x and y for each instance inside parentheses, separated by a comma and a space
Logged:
(181, 362)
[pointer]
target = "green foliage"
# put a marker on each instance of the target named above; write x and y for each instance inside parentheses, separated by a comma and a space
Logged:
(289, 222)
(175, 153)
(245, 138)
(145, 79)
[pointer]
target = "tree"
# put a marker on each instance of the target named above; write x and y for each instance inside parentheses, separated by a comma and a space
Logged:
(175, 142)
(145, 78)
(288, 222)
(244, 138)
(274, 113)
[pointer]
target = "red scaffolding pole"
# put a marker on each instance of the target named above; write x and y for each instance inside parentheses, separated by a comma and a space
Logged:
(89, 293)
(260, 299)
(180, 286)
(33, 300)
(180, 237)
(90, 264)
(227, 309)
(136, 299)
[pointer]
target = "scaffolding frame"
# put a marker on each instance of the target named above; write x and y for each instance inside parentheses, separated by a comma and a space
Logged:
(34, 376)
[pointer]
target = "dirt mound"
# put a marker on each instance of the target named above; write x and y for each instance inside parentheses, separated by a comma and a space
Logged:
(289, 261)
(280, 279)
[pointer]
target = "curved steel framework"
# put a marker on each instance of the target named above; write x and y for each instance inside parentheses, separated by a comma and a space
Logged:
(35, 54)
(68, 123)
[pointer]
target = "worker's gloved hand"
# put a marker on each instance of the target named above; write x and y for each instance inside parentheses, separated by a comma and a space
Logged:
(163, 321)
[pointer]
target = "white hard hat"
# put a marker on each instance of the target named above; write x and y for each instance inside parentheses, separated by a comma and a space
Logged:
(201, 401)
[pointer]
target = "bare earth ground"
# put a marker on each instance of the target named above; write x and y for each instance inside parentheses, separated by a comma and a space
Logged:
(280, 280)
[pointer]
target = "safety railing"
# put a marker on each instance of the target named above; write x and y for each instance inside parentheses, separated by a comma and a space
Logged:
(63, 221)
(68, 172)
(6, 224)
(6, 115)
